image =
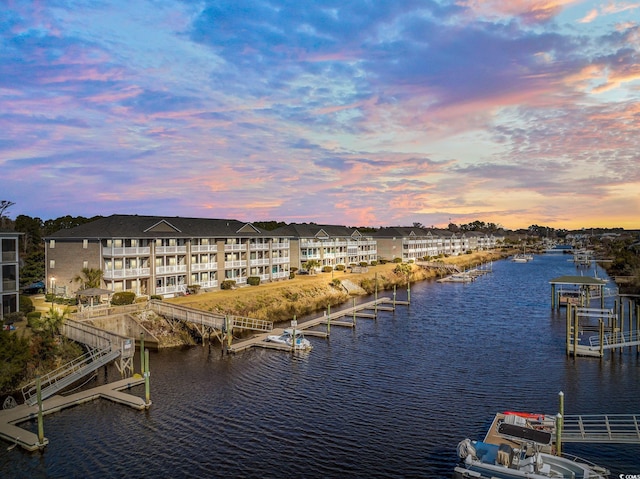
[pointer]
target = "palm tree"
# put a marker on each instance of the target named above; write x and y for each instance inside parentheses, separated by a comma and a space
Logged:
(311, 265)
(89, 278)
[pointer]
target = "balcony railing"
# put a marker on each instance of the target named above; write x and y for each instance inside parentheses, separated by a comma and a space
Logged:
(235, 264)
(204, 248)
(204, 266)
(280, 260)
(208, 284)
(9, 257)
(127, 251)
(258, 246)
(126, 273)
(280, 274)
(9, 285)
(280, 245)
(170, 249)
(235, 247)
(259, 262)
(171, 269)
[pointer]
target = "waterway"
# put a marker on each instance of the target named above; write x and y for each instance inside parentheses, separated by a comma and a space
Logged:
(388, 399)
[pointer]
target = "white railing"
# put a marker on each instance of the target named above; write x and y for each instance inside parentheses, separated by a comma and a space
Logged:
(281, 274)
(259, 262)
(127, 251)
(170, 249)
(208, 284)
(280, 245)
(280, 260)
(126, 273)
(181, 268)
(178, 288)
(235, 247)
(258, 246)
(202, 248)
(204, 266)
(235, 264)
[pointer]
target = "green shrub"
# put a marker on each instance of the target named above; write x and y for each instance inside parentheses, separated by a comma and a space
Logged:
(364, 264)
(327, 269)
(253, 280)
(335, 282)
(33, 319)
(156, 296)
(228, 284)
(340, 267)
(374, 263)
(122, 298)
(26, 305)
(397, 260)
(193, 289)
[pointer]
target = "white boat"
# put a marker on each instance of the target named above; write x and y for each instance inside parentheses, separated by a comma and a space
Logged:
(519, 454)
(288, 336)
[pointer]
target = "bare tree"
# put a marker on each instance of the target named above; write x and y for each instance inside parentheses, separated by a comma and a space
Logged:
(4, 205)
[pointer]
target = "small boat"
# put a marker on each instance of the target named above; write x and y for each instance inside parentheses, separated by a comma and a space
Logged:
(521, 450)
(289, 336)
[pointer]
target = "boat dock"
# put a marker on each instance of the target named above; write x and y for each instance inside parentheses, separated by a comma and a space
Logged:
(10, 418)
(367, 310)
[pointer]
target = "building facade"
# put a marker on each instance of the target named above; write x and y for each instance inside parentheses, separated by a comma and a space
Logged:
(152, 255)
(9, 273)
(329, 245)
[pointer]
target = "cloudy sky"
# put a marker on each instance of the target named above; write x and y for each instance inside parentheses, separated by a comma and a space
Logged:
(361, 113)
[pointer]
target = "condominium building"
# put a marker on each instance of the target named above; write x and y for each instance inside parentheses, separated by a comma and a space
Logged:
(9, 273)
(416, 243)
(154, 255)
(329, 245)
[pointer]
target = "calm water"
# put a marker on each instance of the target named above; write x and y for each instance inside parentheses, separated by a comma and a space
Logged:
(391, 398)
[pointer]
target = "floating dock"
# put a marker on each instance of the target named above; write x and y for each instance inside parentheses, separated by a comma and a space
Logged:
(10, 418)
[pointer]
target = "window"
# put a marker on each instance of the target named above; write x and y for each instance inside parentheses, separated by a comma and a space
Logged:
(85, 244)
(85, 264)
(52, 244)
(52, 263)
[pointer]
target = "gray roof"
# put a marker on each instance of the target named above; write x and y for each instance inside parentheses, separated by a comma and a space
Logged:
(134, 226)
(312, 230)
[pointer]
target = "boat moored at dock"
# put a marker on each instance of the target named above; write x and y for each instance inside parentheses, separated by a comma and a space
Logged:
(291, 337)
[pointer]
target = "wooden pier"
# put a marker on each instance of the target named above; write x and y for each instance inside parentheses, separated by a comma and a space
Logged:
(10, 418)
(367, 310)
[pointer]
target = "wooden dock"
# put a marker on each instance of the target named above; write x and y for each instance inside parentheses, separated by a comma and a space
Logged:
(336, 318)
(10, 418)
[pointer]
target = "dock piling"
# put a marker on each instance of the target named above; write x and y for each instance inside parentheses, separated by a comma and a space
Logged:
(40, 415)
(146, 378)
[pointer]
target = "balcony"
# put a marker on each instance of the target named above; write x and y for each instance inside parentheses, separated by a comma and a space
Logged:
(9, 257)
(280, 274)
(258, 246)
(182, 268)
(235, 247)
(235, 264)
(9, 285)
(204, 266)
(126, 273)
(280, 260)
(208, 284)
(259, 262)
(204, 248)
(284, 245)
(130, 251)
(170, 249)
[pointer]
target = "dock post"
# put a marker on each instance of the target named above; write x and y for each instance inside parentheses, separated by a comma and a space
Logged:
(376, 297)
(553, 296)
(638, 327)
(559, 424)
(575, 331)
(394, 296)
(601, 338)
(40, 420)
(354, 311)
(146, 378)
(568, 348)
(409, 288)
(328, 313)
(142, 353)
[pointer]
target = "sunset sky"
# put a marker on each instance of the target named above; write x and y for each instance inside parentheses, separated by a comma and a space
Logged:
(360, 113)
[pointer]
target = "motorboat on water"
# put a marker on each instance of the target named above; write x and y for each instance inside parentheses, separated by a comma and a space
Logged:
(291, 336)
(521, 448)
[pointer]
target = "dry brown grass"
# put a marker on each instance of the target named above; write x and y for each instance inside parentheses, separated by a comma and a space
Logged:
(280, 301)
